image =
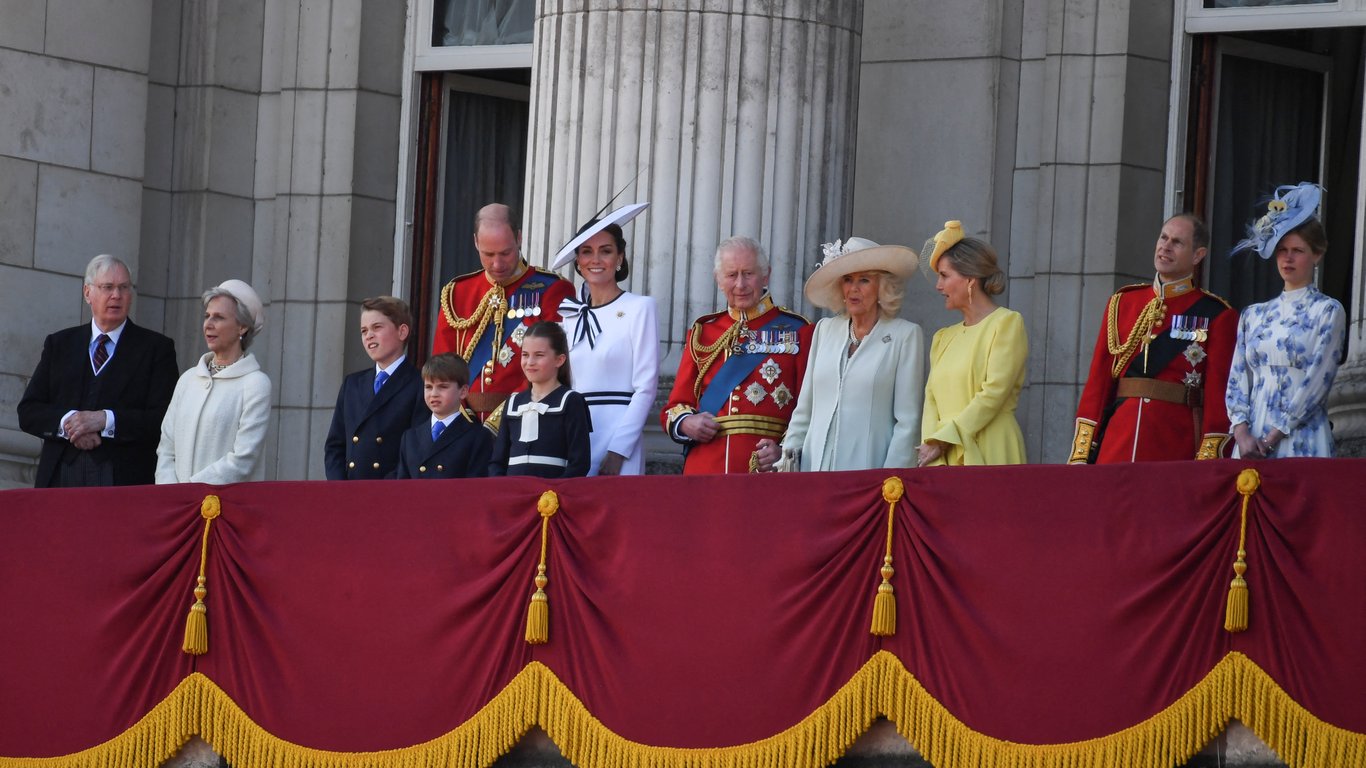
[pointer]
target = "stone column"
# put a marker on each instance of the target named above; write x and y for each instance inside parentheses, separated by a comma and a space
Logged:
(1347, 400)
(272, 158)
(738, 116)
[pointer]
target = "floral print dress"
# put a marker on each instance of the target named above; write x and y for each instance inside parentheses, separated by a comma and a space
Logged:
(1283, 366)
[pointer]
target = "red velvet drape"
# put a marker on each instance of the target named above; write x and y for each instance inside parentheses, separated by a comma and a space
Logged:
(1037, 604)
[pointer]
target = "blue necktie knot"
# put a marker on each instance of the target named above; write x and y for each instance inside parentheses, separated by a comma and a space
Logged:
(437, 429)
(380, 378)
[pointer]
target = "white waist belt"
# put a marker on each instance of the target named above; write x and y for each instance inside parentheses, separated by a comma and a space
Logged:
(534, 459)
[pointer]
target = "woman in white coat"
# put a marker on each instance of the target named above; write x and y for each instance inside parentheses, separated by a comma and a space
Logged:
(613, 344)
(216, 423)
(860, 401)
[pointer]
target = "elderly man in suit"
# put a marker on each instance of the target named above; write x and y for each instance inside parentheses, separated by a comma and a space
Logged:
(100, 390)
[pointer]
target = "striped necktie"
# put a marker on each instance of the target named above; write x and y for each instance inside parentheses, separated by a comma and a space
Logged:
(101, 355)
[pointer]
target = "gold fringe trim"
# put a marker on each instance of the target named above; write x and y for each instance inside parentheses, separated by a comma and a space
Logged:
(884, 603)
(1236, 611)
(196, 641)
(1235, 688)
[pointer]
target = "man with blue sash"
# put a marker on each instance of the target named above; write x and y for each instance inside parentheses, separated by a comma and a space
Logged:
(485, 314)
(740, 373)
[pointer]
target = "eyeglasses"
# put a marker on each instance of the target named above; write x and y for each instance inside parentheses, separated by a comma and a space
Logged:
(111, 288)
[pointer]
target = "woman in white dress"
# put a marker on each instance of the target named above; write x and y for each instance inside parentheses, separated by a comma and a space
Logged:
(613, 345)
(216, 423)
(860, 401)
(1287, 351)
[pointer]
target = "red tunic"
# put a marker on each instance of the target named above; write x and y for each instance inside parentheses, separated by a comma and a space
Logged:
(1150, 428)
(758, 407)
(472, 304)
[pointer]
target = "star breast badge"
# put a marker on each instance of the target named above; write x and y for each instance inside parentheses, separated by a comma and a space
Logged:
(1194, 354)
(770, 370)
(755, 393)
(782, 396)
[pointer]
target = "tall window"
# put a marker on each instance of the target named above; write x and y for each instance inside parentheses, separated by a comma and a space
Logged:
(471, 108)
(1270, 103)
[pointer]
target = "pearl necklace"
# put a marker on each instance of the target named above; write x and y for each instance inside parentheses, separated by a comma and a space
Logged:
(216, 367)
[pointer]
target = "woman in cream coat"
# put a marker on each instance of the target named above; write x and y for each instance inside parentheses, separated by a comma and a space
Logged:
(859, 406)
(216, 424)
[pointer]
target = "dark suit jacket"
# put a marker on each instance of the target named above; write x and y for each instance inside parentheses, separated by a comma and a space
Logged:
(136, 384)
(463, 450)
(367, 426)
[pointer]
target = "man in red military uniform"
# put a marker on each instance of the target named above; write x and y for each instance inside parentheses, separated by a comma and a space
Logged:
(740, 373)
(1156, 387)
(484, 314)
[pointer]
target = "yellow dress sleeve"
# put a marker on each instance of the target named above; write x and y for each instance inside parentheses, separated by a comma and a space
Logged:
(1003, 352)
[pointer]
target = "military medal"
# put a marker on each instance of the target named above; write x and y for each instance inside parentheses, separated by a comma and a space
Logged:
(505, 355)
(536, 309)
(512, 304)
(518, 334)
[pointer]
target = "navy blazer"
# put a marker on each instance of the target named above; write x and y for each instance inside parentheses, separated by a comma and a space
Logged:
(136, 384)
(362, 443)
(463, 450)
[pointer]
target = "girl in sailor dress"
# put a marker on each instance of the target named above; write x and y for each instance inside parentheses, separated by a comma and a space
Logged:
(544, 429)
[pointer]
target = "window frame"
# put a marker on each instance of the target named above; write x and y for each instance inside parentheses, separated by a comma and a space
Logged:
(438, 58)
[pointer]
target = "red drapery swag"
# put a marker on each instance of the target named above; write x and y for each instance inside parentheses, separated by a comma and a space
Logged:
(1044, 616)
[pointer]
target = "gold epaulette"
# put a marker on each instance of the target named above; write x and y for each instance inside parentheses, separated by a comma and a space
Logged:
(1218, 298)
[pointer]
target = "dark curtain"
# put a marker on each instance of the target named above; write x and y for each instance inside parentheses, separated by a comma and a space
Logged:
(1268, 134)
(485, 163)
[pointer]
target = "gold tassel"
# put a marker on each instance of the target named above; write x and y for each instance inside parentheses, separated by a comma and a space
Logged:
(1236, 613)
(884, 604)
(538, 613)
(197, 623)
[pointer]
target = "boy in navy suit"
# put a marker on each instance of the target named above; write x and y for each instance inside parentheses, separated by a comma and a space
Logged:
(453, 444)
(375, 406)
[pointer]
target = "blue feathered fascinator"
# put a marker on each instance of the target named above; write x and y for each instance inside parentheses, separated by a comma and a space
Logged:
(1291, 206)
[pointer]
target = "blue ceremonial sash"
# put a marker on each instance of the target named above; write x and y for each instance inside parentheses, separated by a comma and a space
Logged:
(738, 367)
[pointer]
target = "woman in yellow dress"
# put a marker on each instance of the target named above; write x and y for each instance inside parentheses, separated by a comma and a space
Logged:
(977, 366)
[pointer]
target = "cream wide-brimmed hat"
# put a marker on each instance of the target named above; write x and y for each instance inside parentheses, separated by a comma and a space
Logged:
(857, 254)
(247, 295)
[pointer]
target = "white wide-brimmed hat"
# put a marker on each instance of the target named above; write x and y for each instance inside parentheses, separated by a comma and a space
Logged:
(857, 254)
(619, 217)
(247, 295)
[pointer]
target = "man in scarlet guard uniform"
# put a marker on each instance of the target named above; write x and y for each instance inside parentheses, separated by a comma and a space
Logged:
(740, 373)
(484, 314)
(1156, 387)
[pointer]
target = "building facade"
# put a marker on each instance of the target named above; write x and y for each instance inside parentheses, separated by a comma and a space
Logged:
(330, 150)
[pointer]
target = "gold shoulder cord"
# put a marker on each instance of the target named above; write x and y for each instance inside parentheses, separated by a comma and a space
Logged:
(489, 309)
(1148, 319)
(705, 355)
